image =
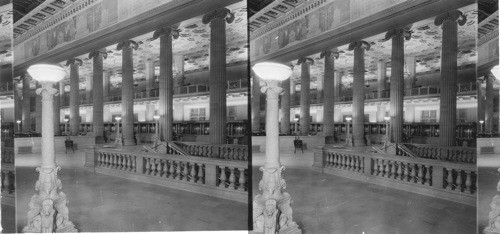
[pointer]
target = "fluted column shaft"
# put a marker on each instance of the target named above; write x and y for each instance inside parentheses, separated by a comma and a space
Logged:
(218, 81)
(97, 96)
(38, 110)
(285, 107)
(26, 120)
(329, 96)
(337, 82)
(448, 82)
(150, 75)
(272, 91)
(167, 87)
(488, 118)
(381, 72)
(305, 84)
(74, 99)
(47, 97)
(127, 96)
(397, 88)
(255, 103)
(57, 111)
(480, 104)
(358, 99)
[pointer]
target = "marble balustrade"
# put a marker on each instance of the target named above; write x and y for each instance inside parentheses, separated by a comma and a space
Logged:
(452, 181)
(228, 152)
(452, 154)
(8, 176)
(211, 176)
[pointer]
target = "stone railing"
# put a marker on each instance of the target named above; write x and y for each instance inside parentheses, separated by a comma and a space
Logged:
(451, 154)
(8, 176)
(446, 180)
(226, 152)
(220, 178)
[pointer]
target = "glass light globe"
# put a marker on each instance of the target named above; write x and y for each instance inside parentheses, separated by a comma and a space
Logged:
(18, 121)
(387, 118)
(272, 71)
(47, 72)
(156, 117)
(496, 71)
(481, 121)
(118, 118)
(348, 118)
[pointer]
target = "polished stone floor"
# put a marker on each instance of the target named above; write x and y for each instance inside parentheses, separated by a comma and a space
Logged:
(488, 177)
(100, 203)
(8, 219)
(325, 203)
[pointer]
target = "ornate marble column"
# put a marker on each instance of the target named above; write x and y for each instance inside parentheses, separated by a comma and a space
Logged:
(166, 80)
(305, 84)
(358, 89)
(255, 103)
(337, 82)
(329, 96)
(488, 118)
(74, 96)
(381, 73)
(272, 211)
(38, 110)
(218, 79)
(48, 211)
(397, 81)
(98, 93)
(26, 118)
(493, 225)
(448, 84)
(285, 107)
(127, 128)
(411, 63)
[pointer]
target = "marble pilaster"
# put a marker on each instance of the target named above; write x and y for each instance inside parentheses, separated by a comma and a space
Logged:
(285, 107)
(98, 94)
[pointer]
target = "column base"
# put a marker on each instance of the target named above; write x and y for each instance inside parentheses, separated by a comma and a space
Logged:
(494, 217)
(272, 210)
(48, 210)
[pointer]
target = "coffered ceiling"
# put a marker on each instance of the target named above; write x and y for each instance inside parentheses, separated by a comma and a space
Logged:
(6, 35)
(425, 45)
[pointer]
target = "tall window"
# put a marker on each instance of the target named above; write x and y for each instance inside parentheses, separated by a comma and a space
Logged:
(429, 116)
(198, 114)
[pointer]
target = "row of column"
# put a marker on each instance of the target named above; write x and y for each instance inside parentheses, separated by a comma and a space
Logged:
(449, 22)
(216, 19)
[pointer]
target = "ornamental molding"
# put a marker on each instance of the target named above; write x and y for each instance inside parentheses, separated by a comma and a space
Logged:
(488, 37)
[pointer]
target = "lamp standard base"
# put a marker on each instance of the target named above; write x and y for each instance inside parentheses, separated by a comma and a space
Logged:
(348, 140)
(119, 139)
(272, 210)
(48, 209)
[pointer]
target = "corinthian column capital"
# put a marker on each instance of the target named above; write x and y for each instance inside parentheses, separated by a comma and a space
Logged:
(222, 13)
(454, 15)
(76, 61)
(399, 32)
(328, 53)
(168, 31)
(359, 44)
(127, 44)
(307, 60)
(96, 53)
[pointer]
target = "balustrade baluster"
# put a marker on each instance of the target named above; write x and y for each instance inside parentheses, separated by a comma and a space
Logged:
(99, 159)
(201, 173)
(129, 163)
(335, 160)
(428, 176)
(449, 179)
(171, 169)
(375, 166)
(223, 177)
(232, 178)
(179, 170)
(468, 182)
(120, 162)
(158, 168)
(192, 174)
(360, 164)
(399, 172)
(165, 169)
(413, 177)
(148, 168)
(242, 180)
(185, 172)
(344, 162)
(115, 161)
(328, 160)
(124, 162)
(420, 173)
(352, 163)
(406, 172)
(134, 164)
(459, 181)
(392, 171)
